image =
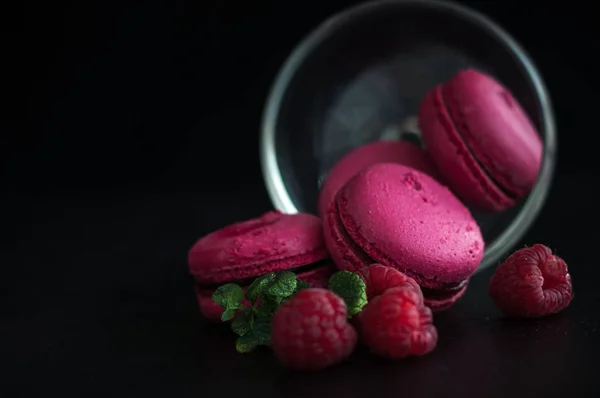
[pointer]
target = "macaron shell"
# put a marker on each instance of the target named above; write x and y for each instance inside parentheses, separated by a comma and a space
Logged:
(402, 152)
(273, 242)
(455, 161)
(496, 129)
(346, 254)
(405, 219)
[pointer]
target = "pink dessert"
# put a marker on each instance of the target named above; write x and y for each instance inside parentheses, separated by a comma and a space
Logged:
(246, 250)
(402, 152)
(402, 218)
(483, 142)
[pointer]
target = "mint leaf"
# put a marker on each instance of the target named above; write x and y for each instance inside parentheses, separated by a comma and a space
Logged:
(283, 285)
(243, 323)
(245, 344)
(258, 286)
(266, 308)
(229, 296)
(228, 314)
(300, 284)
(260, 334)
(351, 288)
(262, 330)
(253, 325)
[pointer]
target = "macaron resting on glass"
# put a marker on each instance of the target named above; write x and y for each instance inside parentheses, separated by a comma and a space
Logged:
(483, 142)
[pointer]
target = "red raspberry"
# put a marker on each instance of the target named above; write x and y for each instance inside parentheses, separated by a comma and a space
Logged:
(396, 324)
(310, 331)
(380, 278)
(532, 282)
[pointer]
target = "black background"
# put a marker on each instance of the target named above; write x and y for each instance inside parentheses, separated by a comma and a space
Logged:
(141, 134)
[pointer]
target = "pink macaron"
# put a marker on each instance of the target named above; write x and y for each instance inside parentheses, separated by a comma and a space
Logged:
(402, 152)
(246, 250)
(483, 142)
(402, 218)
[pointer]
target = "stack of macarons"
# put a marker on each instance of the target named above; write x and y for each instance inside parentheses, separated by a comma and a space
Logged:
(395, 203)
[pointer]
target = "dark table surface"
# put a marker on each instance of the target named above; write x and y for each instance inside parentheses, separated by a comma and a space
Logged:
(132, 152)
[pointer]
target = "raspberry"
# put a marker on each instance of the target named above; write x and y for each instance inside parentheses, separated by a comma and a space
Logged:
(380, 278)
(310, 331)
(396, 324)
(532, 282)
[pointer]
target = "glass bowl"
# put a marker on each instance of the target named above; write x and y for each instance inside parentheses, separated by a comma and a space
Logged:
(361, 75)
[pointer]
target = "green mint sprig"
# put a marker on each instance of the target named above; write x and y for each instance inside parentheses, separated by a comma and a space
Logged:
(265, 295)
(229, 297)
(252, 324)
(351, 288)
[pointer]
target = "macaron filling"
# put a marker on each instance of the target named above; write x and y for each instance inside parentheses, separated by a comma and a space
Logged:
(447, 291)
(446, 97)
(225, 274)
(462, 169)
(354, 257)
(301, 270)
